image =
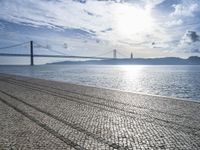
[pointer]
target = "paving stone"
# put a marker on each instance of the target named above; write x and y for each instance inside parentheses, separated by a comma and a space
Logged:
(93, 118)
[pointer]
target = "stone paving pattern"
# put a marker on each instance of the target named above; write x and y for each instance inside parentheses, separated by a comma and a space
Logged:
(42, 114)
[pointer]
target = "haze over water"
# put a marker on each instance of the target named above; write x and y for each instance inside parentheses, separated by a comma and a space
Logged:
(172, 81)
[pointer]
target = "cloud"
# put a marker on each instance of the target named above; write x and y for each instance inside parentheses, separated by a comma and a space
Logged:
(80, 1)
(107, 30)
(59, 14)
(105, 21)
(152, 3)
(185, 10)
(190, 42)
(116, 1)
(195, 50)
(190, 37)
(89, 13)
(2, 26)
(174, 23)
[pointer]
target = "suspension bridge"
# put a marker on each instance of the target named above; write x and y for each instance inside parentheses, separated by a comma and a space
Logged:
(57, 54)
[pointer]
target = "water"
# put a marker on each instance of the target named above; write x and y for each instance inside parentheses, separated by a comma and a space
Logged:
(172, 81)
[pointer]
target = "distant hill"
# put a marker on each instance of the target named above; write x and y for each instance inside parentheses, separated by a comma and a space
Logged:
(193, 60)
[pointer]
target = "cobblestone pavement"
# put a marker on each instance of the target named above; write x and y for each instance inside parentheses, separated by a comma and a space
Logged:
(41, 114)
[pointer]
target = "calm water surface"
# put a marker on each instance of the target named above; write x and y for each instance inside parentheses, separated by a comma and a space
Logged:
(173, 81)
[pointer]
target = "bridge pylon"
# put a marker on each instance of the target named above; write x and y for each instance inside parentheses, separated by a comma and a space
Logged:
(114, 53)
(31, 53)
(131, 55)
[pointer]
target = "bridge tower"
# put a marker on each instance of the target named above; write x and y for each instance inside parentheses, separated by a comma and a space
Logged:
(114, 53)
(31, 53)
(131, 55)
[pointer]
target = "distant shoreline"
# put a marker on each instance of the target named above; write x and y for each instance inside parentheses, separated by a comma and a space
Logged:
(193, 60)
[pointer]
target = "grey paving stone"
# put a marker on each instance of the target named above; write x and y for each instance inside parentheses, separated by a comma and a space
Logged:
(94, 118)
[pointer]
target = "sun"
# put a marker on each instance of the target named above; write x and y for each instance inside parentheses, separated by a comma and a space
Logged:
(130, 20)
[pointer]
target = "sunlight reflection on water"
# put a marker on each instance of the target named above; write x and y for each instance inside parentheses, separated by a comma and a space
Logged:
(174, 81)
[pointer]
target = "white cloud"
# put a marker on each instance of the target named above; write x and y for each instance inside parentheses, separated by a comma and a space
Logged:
(190, 42)
(185, 10)
(152, 3)
(64, 14)
(174, 23)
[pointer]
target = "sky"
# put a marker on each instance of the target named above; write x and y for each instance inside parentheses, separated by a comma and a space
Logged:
(147, 28)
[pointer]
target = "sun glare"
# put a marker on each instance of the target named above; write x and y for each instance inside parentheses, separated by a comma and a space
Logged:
(131, 72)
(131, 20)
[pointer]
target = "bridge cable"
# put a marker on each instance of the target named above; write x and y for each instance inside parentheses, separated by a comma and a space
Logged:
(103, 54)
(11, 46)
(45, 47)
(121, 54)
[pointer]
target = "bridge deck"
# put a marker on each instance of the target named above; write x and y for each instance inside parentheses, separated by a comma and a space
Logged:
(41, 114)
